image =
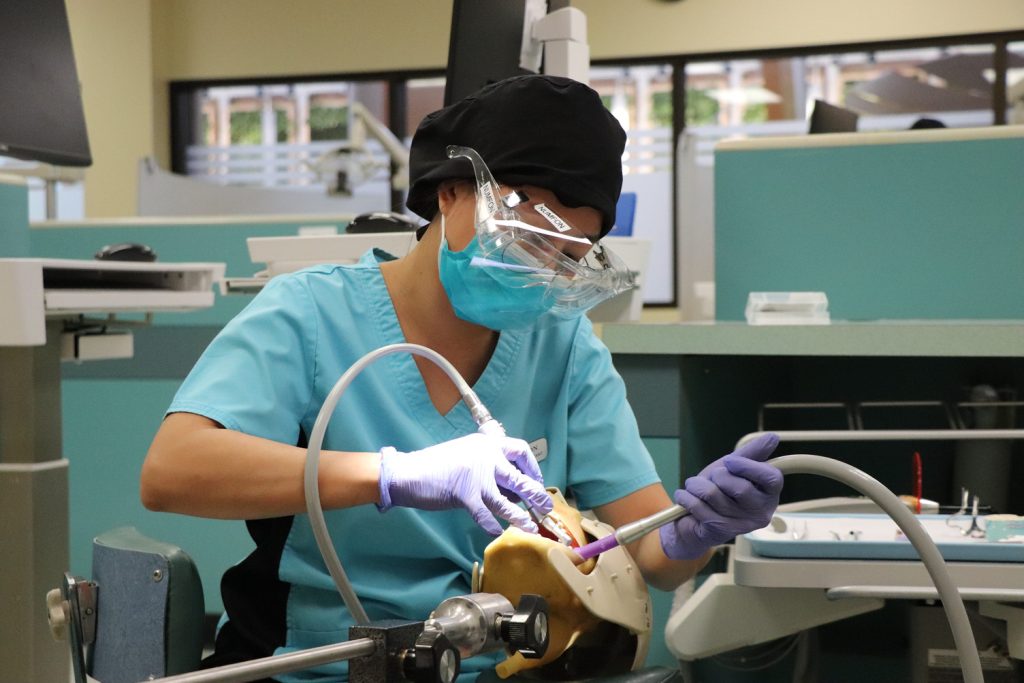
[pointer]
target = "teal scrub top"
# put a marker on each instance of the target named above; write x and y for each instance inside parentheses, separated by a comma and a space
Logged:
(269, 370)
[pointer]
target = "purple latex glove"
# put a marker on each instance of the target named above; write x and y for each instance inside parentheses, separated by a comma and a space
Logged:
(479, 472)
(735, 494)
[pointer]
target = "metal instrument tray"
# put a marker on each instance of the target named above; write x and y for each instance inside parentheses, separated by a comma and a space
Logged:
(873, 537)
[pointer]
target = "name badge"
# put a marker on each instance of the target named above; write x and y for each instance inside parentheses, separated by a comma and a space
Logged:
(553, 218)
(539, 448)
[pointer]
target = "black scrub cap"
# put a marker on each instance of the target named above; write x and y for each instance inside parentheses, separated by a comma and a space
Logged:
(546, 131)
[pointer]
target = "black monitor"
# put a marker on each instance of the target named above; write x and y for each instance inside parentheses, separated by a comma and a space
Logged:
(485, 44)
(828, 118)
(41, 116)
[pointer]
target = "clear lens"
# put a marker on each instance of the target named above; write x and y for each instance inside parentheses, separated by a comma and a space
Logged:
(534, 247)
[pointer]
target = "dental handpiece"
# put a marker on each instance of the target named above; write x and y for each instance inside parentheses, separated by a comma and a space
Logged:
(488, 425)
(627, 533)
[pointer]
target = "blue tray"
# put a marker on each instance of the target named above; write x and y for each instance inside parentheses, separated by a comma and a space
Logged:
(878, 539)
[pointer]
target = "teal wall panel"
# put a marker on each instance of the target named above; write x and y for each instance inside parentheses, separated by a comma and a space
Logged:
(916, 230)
(666, 458)
(14, 241)
(108, 426)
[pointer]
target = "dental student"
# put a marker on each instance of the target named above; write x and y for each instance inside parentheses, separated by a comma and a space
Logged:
(517, 183)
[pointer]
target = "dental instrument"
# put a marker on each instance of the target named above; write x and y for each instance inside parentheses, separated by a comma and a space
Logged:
(492, 427)
(486, 424)
(554, 528)
(627, 533)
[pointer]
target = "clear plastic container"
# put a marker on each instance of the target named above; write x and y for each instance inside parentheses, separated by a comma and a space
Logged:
(787, 308)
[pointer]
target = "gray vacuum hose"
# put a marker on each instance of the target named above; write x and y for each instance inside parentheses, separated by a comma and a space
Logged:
(842, 472)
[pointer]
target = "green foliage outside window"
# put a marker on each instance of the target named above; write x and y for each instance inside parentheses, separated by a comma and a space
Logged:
(328, 123)
(281, 121)
(701, 108)
(661, 110)
(755, 113)
(246, 128)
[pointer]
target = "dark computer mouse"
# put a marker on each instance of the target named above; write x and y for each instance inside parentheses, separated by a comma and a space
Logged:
(126, 251)
(381, 221)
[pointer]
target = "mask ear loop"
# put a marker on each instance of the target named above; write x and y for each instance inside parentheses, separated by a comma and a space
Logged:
(441, 243)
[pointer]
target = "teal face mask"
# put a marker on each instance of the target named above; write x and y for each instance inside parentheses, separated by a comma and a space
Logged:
(496, 298)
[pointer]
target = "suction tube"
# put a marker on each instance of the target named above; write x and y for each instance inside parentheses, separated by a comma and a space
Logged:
(956, 613)
(310, 482)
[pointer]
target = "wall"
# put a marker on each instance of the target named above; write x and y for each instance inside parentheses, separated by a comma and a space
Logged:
(231, 38)
(112, 44)
(13, 217)
(657, 27)
(237, 38)
(246, 38)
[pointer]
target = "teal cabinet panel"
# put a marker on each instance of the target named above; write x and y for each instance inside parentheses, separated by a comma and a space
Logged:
(108, 426)
(14, 242)
(666, 459)
(914, 230)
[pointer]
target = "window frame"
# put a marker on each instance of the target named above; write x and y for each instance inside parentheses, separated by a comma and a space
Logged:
(182, 92)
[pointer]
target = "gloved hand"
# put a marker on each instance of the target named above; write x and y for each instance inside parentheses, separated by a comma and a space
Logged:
(733, 495)
(479, 472)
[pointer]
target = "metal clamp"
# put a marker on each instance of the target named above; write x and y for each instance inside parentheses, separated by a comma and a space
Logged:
(71, 612)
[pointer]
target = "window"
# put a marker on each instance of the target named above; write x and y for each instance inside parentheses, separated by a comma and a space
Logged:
(270, 135)
(640, 97)
(1014, 83)
(889, 89)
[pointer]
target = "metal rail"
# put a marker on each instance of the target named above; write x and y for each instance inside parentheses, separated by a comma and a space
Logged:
(268, 666)
(836, 435)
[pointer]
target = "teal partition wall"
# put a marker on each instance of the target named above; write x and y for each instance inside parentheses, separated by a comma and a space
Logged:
(14, 240)
(665, 452)
(918, 224)
(108, 425)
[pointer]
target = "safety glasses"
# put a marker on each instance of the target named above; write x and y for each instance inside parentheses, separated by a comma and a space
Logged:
(534, 247)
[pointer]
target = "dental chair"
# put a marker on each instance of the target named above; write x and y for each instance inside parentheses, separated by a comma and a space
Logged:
(140, 617)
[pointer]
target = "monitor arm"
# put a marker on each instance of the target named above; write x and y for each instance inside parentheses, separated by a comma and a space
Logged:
(559, 39)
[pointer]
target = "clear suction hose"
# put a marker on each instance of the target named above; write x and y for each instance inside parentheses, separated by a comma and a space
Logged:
(314, 508)
(956, 613)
